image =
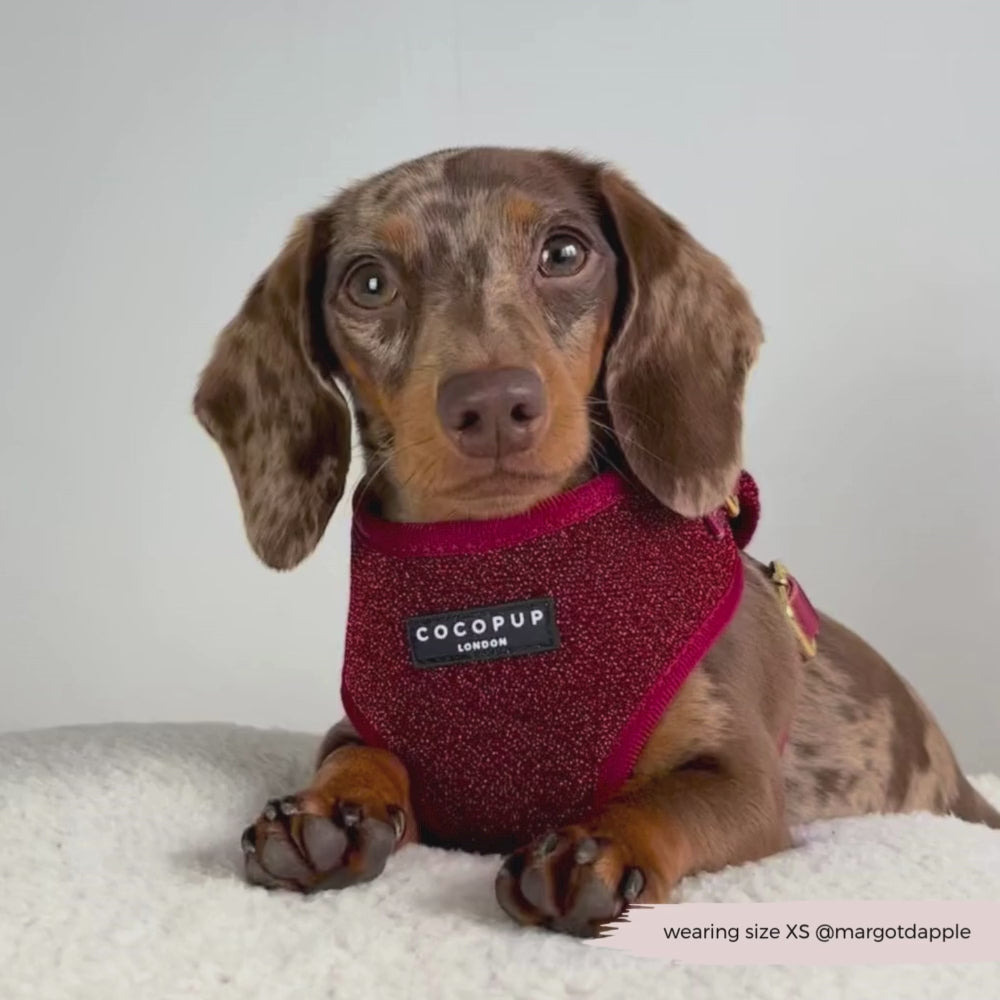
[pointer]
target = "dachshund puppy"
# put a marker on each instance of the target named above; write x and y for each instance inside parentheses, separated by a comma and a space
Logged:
(508, 325)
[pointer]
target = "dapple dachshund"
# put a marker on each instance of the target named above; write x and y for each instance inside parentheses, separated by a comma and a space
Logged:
(507, 323)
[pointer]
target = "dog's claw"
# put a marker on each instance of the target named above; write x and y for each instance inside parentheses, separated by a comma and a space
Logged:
(398, 818)
(547, 845)
(633, 884)
(350, 814)
(556, 883)
(248, 841)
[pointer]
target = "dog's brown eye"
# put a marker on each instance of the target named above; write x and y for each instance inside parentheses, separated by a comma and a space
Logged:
(370, 286)
(562, 255)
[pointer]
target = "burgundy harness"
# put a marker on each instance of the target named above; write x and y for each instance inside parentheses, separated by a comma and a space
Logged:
(517, 666)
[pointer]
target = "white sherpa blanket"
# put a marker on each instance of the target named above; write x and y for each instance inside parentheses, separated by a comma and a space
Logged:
(120, 878)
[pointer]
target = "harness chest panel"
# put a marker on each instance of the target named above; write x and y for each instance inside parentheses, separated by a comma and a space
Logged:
(517, 666)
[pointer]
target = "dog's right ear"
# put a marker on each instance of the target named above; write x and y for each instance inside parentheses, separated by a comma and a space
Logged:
(269, 400)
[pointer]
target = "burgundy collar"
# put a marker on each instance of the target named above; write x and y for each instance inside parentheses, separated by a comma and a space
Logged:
(403, 538)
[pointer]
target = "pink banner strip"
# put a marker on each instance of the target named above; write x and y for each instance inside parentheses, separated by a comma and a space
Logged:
(814, 932)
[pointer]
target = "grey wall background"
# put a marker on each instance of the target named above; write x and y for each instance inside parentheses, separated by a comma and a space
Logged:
(842, 156)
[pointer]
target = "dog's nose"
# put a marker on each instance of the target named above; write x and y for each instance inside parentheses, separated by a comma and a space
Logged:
(492, 412)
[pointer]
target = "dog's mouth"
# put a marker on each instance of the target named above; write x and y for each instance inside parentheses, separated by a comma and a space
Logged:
(500, 480)
(503, 491)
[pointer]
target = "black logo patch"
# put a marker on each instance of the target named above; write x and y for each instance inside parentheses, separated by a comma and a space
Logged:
(483, 633)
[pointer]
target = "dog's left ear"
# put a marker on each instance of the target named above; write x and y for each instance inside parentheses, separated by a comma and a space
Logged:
(677, 364)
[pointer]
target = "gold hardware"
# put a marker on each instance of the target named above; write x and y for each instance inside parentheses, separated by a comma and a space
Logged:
(733, 505)
(779, 576)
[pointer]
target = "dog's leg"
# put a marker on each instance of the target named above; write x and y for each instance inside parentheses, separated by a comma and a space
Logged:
(703, 817)
(338, 831)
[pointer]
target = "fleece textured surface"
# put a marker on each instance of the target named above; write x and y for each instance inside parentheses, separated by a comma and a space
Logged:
(120, 878)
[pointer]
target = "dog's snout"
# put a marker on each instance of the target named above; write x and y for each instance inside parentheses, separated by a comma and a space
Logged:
(493, 412)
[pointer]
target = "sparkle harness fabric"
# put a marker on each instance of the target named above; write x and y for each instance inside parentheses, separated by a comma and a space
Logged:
(517, 666)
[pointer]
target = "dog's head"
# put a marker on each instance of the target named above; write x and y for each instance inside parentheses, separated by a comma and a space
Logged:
(503, 320)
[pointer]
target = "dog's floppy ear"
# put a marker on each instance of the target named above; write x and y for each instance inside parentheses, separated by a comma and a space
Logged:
(677, 364)
(268, 398)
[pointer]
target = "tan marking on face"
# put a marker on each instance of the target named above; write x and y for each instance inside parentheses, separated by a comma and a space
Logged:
(400, 234)
(363, 387)
(420, 447)
(522, 211)
(598, 340)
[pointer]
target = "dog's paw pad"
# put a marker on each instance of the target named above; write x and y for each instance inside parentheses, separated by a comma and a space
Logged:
(569, 881)
(293, 845)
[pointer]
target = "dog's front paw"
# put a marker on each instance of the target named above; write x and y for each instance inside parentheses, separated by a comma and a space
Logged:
(570, 881)
(305, 844)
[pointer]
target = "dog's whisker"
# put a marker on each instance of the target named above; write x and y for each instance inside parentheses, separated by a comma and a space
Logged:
(629, 441)
(638, 415)
(390, 454)
(607, 458)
